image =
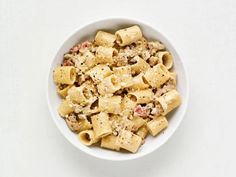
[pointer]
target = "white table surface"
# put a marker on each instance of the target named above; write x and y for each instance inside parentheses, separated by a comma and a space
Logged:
(203, 32)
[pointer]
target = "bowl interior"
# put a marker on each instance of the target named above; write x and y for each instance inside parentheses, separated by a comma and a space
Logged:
(88, 32)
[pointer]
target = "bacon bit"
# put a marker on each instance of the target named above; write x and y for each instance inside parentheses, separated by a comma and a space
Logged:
(83, 45)
(75, 49)
(86, 44)
(68, 63)
(140, 111)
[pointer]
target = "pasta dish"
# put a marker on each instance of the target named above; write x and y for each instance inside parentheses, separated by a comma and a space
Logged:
(117, 89)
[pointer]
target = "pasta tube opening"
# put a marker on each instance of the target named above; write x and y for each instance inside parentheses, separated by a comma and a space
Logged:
(94, 105)
(133, 98)
(144, 80)
(166, 59)
(87, 137)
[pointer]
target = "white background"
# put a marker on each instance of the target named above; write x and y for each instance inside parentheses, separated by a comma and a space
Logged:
(204, 34)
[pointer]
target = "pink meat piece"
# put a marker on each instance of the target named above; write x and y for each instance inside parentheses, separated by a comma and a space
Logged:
(141, 111)
(68, 63)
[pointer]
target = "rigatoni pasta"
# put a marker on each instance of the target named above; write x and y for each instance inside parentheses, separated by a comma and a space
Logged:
(104, 55)
(101, 125)
(64, 75)
(99, 72)
(127, 106)
(90, 60)
(139, 82)
(80, 95)
(117, 89)
(142, 132)
(165, 58)
(109, 142)
(129, 141)
(157, 75)
(140, 66)
(87, 137)
(156, 125)
(128, 35)
(138, 122)
(109, 85)
(105, 39)
(169, 101)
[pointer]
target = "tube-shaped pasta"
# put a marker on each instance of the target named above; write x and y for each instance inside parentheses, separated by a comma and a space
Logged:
(142, 96)
(105, 39)
(138, 122)
(87, 137)
(169, 101)
(109, 85)
(99, 72)
(124, 74)
(142, 132)
(127, 106)
(138, 82)
(104, 55)
(129, 141)
(157, 75)
(110, 104)
(166, 59)
(109, 142)
(128, 35)
(64, 75)
(101, 125)
(156, 125)
(63, 92)
(65, 108)
(89, 59)
(81, 95)
(140, 66)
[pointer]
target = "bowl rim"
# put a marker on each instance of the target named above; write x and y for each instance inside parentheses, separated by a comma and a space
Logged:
(137, 155)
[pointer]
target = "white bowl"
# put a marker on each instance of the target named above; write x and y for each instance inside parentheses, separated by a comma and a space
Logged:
(151, 143)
